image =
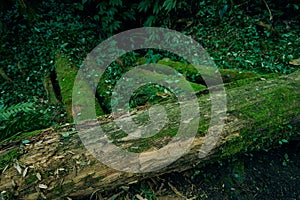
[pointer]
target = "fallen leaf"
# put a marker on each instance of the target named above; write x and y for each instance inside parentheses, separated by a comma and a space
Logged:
(43, 196)
(71, 152)
(295, 62)
(5, 168)
(163, 95)
(25, 171)
(38, 175)
(175, 190)
(13, 183)
(187, 121)
(139, 197)
(18, 168)
(57, 171)
(58, 157)
(42, 186)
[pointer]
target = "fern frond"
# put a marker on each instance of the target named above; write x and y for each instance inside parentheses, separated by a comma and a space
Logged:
(7, 112)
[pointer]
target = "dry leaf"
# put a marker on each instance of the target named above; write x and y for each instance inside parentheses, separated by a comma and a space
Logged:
(58, 157)
(38, 175)
(163, 95)
(139, 197)
(175, 190)
(25, 171)
(295, 62)
(43, 196)
(18, 168)
(188, 120)
(5, 168)
(13, 183)
(42, 186)
(71, 152)
(57, 170)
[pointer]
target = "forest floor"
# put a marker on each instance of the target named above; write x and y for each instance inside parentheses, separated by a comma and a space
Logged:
(259, 175)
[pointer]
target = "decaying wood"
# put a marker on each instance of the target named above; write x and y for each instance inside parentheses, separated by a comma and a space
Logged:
(56, 165)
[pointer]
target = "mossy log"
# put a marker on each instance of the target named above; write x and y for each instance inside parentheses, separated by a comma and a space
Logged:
(56, 165)
(65, 72)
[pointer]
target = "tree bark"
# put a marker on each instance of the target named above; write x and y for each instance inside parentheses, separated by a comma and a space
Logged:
(56, 164)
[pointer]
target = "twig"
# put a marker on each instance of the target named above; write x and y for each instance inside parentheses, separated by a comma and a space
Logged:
(270, 13)
(239, 5)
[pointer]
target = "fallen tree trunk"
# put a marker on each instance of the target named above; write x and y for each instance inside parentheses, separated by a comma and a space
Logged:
(56, 165)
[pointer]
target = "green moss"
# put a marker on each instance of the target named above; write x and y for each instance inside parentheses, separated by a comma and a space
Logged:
(189, 71)
(8, 157)
(197, 87)
(140, 61)
(193, 75)
(264, 129)
(31, 178)
(66, 74)
(7, 195)
(250, 80)
(230, 75)
(22, 136)
(232, 147)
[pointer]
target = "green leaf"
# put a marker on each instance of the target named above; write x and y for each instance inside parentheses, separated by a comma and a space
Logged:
(284, 141)
(65, 134)
(156, 8)
(169, 5)
(150, 20)
(25, 141)
(115, 2)
(96, 17)
(144, 6)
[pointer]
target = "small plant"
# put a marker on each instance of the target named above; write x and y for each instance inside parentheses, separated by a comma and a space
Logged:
(147, 192)
(26, 116)
(283, 141)
(286, 160)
